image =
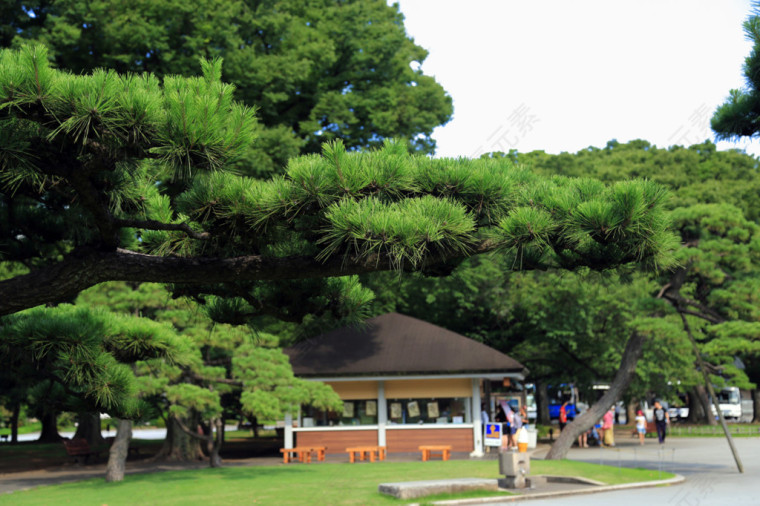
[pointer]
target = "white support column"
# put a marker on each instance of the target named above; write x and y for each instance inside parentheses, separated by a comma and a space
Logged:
(288, 430)
(477, 426)
(382, 413)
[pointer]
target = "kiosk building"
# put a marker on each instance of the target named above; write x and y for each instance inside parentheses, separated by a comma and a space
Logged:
(404, 383)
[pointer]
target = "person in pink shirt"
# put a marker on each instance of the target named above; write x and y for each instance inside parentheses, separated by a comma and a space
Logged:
(608, 421)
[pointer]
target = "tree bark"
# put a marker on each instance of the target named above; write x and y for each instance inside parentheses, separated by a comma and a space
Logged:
(215, 443)
(630, 411)
(49, 433)
(542, 404)
(88, 427)
(86, 267)
(16, 410)
(633, 350)
(213, 438)
(704, 402)
(117, 455)
(696, 412)
(178, 445)
(756, 406)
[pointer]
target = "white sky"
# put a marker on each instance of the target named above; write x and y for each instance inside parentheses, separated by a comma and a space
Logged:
(562, 75)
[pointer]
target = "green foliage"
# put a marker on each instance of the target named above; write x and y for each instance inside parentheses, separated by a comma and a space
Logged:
(87, 352)
(316, 70)
(737, 117)
(715, 210)
(131, 162)
(350, 204)
(214, 368)
(270, 388)
(574, 326)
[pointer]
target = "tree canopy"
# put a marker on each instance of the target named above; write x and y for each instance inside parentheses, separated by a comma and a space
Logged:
(316, 70)
(738, 116)
(121, 177)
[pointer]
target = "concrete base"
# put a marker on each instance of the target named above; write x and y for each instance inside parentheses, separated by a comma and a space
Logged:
(514, 464)
(412, 489)
(515, 482)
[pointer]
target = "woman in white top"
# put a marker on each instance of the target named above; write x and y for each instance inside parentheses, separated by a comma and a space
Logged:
(641, 426)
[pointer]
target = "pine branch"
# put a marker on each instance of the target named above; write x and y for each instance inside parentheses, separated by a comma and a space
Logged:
(157, 225)
(87, 266)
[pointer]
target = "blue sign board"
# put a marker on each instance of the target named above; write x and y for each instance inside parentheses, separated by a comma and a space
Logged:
(493, 434)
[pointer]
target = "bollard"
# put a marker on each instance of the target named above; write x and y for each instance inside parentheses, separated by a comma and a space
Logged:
(515, 467)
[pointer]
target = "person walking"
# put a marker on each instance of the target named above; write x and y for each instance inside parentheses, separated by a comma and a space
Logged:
(511, 429)
(608, 421)
(563, 416)
(641, 426)
(517, 424)
(661, 421)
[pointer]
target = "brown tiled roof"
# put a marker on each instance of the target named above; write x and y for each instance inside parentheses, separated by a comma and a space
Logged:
(394, 344)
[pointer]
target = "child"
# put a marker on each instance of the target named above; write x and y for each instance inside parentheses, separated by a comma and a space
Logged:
(641, 426)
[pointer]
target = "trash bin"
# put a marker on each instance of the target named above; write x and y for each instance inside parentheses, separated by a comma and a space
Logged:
(532, 438)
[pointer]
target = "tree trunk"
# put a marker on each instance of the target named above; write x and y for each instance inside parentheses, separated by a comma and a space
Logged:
(117, 455)
(630, 411)
(215, 443)
(542, 404)
(696, 408)
(633, 350)
(704, 402)
(756, 406)
(179, 446)
(88, 427)
(14, 421)
(49, 433)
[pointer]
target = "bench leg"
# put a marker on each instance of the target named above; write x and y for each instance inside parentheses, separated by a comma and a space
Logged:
(351, 457)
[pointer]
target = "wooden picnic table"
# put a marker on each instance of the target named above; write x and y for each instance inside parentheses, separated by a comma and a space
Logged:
(303, 453)
(429, 450)
(369, 451)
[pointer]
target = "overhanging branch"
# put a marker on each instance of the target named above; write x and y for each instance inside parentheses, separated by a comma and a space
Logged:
(157, 225)
(87, 267)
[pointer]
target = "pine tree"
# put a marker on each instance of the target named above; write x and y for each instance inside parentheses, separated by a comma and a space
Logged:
(121, 177)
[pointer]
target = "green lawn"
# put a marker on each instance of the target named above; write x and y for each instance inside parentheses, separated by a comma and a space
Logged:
(736, 430)
(331, 483)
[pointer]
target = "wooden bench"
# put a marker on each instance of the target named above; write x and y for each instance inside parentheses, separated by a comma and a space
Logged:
(303, 453)
(372, 452)
(80, 448)
(429, 450)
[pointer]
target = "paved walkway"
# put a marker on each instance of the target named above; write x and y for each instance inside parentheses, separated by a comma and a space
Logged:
(711, 475)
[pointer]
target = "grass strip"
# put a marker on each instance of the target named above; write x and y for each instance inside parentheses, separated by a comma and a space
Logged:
(328, 483)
